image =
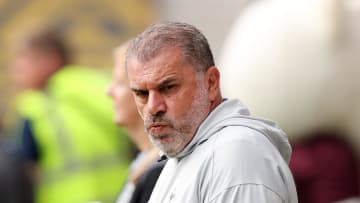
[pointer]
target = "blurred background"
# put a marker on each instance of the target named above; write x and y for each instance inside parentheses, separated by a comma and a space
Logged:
(94, 28)
(294, 62)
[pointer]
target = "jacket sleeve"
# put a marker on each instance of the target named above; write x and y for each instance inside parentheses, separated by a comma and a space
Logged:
(247, 193)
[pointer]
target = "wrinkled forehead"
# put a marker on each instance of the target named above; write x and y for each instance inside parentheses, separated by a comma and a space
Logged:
(167, 57)
(148, 53)
(167, 64)
(24, 51)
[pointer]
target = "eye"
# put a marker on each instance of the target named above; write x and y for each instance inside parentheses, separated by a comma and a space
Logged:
(167, 88)
(141, 93)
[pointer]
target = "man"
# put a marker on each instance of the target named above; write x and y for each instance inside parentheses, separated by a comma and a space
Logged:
(145, 169)
(67, 131)
(217, 152)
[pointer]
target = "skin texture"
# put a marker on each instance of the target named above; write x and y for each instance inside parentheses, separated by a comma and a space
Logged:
(172, 98)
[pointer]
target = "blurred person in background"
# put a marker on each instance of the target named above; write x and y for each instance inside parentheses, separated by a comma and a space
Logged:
(297, 62)
(65, 129)
(145, 169)
(15, 180)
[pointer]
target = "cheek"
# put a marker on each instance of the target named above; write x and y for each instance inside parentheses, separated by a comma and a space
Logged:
(121, 97)
(140, 108)
(179, 105)
(130, 104)
(129, 111)
(22, 69)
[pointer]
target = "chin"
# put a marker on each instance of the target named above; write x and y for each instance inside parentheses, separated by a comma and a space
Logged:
(119, 122)
(170, 152)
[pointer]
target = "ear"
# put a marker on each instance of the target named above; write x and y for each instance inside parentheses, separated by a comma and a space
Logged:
(212, 80)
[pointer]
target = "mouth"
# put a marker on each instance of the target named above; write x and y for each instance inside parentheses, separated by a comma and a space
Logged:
(156, 128)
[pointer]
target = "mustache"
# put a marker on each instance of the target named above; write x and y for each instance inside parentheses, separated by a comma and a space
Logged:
(158, 118)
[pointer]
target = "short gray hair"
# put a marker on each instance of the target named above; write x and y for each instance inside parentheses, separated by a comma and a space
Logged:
(193, 44)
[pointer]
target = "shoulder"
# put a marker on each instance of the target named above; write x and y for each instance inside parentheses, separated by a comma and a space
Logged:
(243, 157)
(244, 148)
(240, 142)
(237, 146)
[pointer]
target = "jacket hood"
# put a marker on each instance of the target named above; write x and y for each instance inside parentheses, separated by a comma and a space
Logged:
(231, 112)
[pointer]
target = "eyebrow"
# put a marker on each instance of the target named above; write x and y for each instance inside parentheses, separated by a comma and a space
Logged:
(159, 86)
(166, 82)
(138, 90)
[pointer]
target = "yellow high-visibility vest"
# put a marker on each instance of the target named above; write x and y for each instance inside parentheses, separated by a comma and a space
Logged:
(84, 157)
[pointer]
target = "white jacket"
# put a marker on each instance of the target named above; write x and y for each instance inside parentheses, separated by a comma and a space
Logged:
(232, 158)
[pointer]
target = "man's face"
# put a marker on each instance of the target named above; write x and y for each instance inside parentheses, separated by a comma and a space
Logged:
(125, 109)
(171, 98)
(26, 68)
(31, 67)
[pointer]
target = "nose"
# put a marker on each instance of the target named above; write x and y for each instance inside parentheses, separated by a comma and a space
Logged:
(156, 103)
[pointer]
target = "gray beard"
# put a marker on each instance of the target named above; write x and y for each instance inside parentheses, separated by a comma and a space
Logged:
(183, 134)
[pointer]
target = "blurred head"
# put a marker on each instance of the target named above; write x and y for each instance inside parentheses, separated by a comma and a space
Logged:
(174, 81)
(125, 109)
(36, 57)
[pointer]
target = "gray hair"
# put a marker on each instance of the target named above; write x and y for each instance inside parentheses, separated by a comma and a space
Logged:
(193, 44)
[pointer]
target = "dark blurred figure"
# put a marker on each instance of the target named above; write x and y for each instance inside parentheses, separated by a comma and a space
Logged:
(65, 124)
(324, 168)
(15, 181)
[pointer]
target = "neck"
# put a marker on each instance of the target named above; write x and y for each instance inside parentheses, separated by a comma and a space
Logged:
(216, 102)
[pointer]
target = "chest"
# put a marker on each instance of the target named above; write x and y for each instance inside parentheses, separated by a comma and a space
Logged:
(182, 181)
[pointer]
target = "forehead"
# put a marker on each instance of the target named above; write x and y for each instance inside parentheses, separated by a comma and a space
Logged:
(119, 68)
(26, 52)
(167, 65)
(119, 73)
